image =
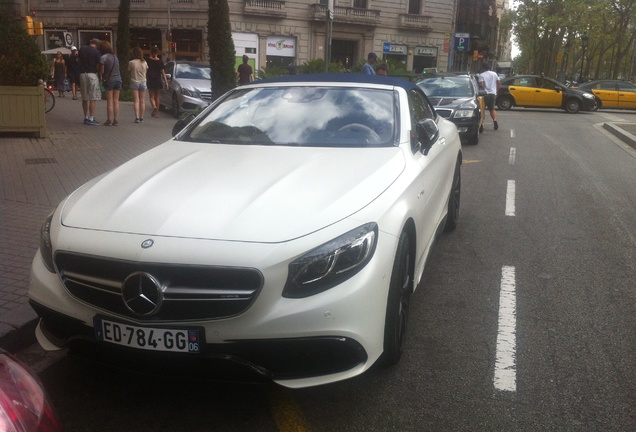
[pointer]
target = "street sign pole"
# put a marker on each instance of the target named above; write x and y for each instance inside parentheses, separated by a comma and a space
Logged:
(328, 33)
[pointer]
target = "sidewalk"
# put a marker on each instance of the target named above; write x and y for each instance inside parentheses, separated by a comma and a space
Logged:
(37, 173)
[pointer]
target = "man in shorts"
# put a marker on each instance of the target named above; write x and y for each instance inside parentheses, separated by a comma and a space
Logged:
(489, 81)
(89, 57)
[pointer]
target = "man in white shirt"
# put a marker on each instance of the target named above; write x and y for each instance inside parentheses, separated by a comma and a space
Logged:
(489, 81)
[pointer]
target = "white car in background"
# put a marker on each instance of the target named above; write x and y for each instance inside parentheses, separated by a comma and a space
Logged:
(189, 86)
(285, 228)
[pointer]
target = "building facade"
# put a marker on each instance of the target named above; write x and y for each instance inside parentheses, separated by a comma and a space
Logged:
(271, 32)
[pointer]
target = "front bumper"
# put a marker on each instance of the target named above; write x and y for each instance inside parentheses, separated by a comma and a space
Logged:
(467, 127)
(276, 359)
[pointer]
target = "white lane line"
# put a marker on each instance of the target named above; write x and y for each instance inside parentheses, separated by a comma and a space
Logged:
(512, 156)
(505, 378)
(512, 133)
(510, 198)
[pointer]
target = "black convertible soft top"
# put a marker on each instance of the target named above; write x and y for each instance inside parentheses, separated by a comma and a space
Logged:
(352, 78)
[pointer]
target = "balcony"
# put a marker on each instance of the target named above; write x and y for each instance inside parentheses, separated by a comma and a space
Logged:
(266, 8)
(348, 15)
(415, 22)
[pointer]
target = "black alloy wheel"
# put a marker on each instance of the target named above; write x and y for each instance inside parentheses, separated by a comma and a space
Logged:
(397, 309)
(572, 105)
(505, 102)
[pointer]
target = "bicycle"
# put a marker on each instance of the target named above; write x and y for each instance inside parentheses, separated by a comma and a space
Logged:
(49, 100)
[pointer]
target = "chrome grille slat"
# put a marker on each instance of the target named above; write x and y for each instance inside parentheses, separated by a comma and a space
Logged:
(190, 292)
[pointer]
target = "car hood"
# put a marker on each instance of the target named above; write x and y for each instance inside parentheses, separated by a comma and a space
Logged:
(449, 102)
(203, 85)
(233, 192)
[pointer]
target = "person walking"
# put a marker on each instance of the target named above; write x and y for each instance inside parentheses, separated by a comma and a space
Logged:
(489, 81)
(58, 70)
(73, 71)
(368, 66)
(89, 57)
(156, 78)
(244, 73)
(111, 76)
(137, 68)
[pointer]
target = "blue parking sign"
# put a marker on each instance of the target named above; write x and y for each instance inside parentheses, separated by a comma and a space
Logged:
(462, 42)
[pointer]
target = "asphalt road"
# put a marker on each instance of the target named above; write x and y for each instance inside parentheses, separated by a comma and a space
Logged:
(524, 321)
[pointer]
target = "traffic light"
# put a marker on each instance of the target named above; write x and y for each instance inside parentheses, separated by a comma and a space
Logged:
(173, 47)
(39, 28)
(29, 24)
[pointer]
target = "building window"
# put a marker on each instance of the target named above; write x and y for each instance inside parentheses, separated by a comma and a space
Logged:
(361, 4)
(414, 7)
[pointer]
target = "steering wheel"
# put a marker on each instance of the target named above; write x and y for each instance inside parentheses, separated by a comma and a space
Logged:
(359, 128)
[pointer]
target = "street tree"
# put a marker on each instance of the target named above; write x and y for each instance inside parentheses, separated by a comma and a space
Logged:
(221, 45)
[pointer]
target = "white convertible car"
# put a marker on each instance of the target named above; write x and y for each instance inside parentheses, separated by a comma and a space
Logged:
(285, 228)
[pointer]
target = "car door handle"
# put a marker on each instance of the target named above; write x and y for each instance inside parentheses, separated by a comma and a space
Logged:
(537, 91)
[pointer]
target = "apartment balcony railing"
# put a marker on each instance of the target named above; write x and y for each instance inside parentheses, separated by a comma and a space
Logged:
(348, 15)
(415, 22)
(269, 8)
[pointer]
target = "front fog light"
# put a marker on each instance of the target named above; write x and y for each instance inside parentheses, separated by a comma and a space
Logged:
(332, 263)
(46, 248)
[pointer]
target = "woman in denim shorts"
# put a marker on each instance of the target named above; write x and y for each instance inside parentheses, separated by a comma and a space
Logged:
(109, 71)
(137, 69)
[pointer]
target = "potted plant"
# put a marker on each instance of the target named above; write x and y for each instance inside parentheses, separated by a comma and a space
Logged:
(22, 71)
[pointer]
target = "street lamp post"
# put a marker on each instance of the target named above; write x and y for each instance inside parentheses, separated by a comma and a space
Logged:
(584, 40)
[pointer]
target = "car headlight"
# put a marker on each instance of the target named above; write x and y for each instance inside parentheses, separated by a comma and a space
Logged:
(46, 248)
(332, 263)
(588, 95)
(464, 113)
(189, 92)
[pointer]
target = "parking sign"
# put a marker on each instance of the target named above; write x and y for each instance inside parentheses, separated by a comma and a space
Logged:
(462, 42)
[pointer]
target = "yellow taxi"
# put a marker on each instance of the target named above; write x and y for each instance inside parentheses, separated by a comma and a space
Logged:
(612, 93)
(533, 91)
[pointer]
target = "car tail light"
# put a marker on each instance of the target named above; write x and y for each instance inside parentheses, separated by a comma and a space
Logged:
(24, 406)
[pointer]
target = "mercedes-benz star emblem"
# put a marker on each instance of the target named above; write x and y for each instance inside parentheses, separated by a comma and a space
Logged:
(147, 243)
(142, 294)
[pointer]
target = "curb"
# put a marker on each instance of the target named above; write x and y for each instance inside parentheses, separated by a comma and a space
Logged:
(627, 137)
(17, 328)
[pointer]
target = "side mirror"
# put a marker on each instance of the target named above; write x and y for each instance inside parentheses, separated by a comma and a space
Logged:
(427, 133)
(182, 123)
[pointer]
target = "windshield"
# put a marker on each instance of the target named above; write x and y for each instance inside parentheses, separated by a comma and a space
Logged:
(459, 86)
(301, 116)
(189, 71)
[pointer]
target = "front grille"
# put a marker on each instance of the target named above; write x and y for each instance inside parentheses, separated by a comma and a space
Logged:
(189, 292)
(446, 113)
(207, 96)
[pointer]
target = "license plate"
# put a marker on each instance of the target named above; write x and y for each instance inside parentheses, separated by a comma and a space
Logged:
(148, 338)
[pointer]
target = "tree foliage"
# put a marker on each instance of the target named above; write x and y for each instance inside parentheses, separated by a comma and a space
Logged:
(222, 58)
(549, 35)
(21, 63)
(123, 40)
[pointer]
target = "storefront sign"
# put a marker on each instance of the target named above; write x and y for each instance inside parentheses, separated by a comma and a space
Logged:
(55, 39)
(426, 51)
(281, 46)
(389, 48)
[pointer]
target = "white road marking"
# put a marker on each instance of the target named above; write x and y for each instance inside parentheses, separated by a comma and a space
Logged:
(512, 156)
(512, 133)
(505, 378)
(510, 198)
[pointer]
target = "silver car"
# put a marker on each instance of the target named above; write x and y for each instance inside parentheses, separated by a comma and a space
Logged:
(190, 86)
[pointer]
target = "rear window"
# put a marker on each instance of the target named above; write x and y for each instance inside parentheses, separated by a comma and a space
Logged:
(301, 116)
